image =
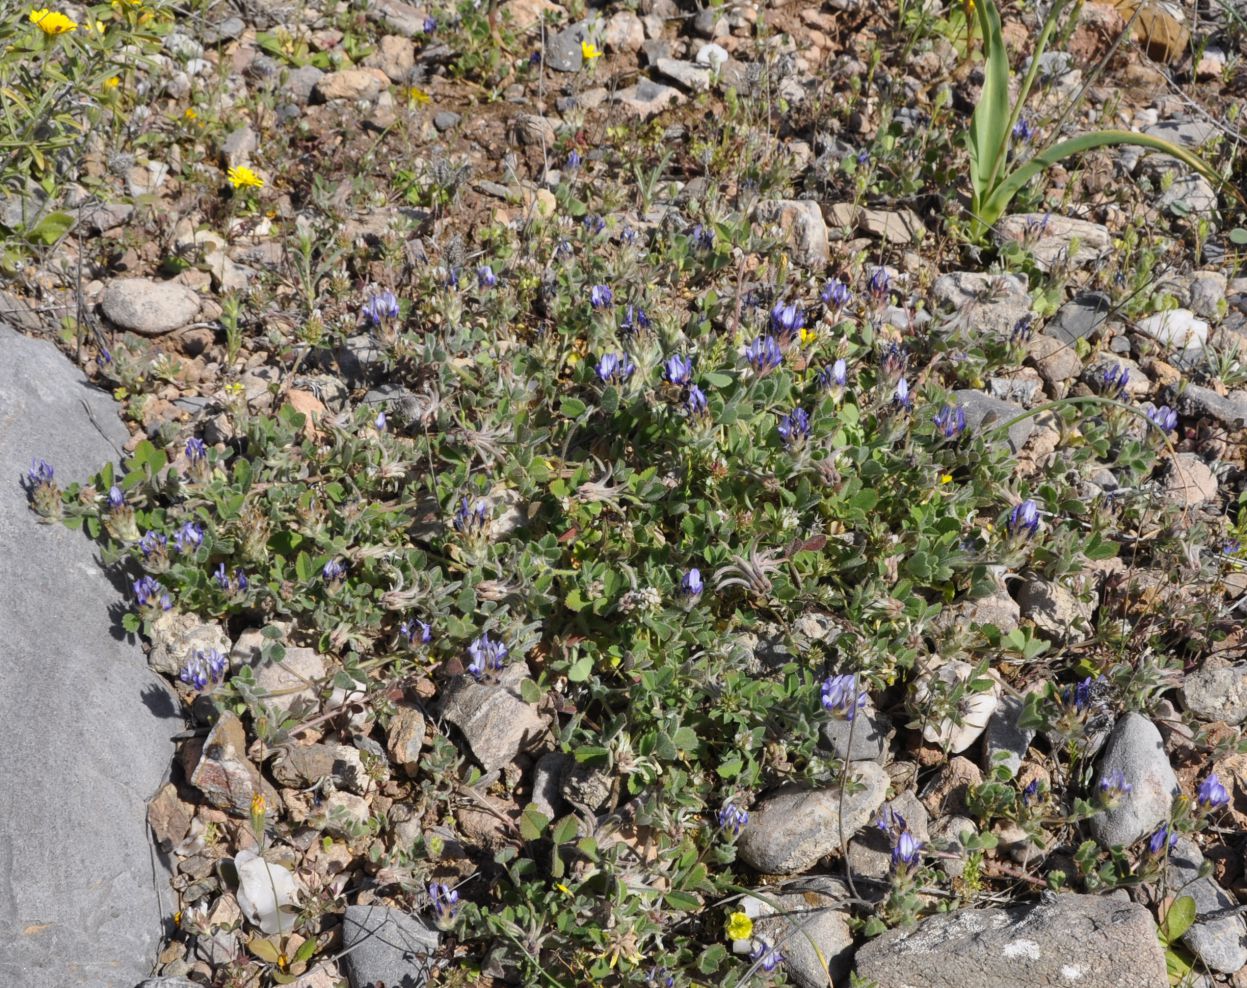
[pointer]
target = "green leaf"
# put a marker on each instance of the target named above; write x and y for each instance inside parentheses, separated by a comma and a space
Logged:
(684, 902)
(131, 622)
(303, 568)
(574, 601)
(533, 823)
(306, 949)
(266, 950)
(581, 669)
(50, 229)
(987, 139)
(572, 407)
(1178, 919)
(565, 830)
(712, 958)
(1238, 236)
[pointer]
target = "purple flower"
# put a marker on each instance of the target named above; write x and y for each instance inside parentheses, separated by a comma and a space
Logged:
(1212, 794)
(732, 818)
(40, 472)
(429, 25)
(485, 276)
(116, 497)
(1114, 379)
(416, 631)
(696, 401)
(794, 427)
(204, 667)
(901, 396)
(660, 977)
(1024, 518)
(766, 956)
(678, 370)
(445, 903)
(634, 319)
(691, 585)
(1160, 841)
(600, 296)
(150, 593)
(1021, 332)
(380, 422)
(240, 579)
(594, 223)
(950, 421)
(195, 449)
(471, 517)
(333, 571)
(1031, 792)
(220, 577)
(836, 294)
(907, 852)
(380, 307)
(702, 237)
(1114, 788)
(153, 542)
(841, 697)
(879, 285)
(764, 354)
(1022, 131)
(1164, 418)
(894, 361)
(189, 537)
(488, 655)
(833, 378)
(786, 319)
(573, 161)
(628, 235)
(614, 368)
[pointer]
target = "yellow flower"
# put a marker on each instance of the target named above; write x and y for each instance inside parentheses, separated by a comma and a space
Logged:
(241, 176)
(590, 51)
(112, 82)
(190, 114)
(258, 804)
(52, 21)
(418, 96)
(946, 478)
(739, 927)
(808, 336)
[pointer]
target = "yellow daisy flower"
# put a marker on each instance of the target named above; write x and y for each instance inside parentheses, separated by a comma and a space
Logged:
(739, 927)
(590, 51)
(240, 176)
(52, 21)
(418, 96)
(112, 82)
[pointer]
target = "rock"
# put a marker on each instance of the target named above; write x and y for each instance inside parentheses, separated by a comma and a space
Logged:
(527, 14)
(1050, 238)
(224, 774)
(789, 831)
(1058, 362)
(1189, 482)
(815, 935)
(302, 82)
(400, 17)
(175, 637)
(1071, 940)
(895, 226)
(302, 765)
(1186, 133)
(495, 722)
(983, 413)
(1219, 941)
(712, 56)
(563, 52)
(997, 608)
(1208, 290)
(1055, 611)
(1081, 318)
(623, 32)
(862, 739)
(801, 221)
(292, 684)
(102, 217)
(360, 358)
(547, 778)
(974, 710)
(238, 147)
(80, 903)
(947, 846)
(169, 816)
(1189, 195)
(687, 74)
(946, 792)
(149, 308)
(351, 84)
(1135, 749)
(710, 23)
(532, 130)
(395, 56)
(444, 120)
(1196, 400)
(1217, 693)
(1175, 329)
(648, 98)
(405, 738)
(386, 946)
(1004, 742)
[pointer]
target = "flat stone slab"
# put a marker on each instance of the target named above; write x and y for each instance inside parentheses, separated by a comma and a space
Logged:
(84, 725)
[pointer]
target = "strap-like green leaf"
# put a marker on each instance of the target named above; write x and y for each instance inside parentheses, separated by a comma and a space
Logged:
(999, 198)
(987, 137)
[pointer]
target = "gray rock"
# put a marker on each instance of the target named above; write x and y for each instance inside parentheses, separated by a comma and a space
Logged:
(1023, 386)
(862, 739)
(789, 831)
(1230, 410)
(983, 412)
(1189, 194)
(710, 23)
(169, 983)
(802, 222)
(495, 722)
(360, 358)
(291, 686)
(1189, 482)
(1058, 362)
(1073, 940)
(1217, 693)
(547, 787)
(400, 17)
(989, 303)
(1057, 612)
(997, 608)
(386, 946)
(405, 738)
(946, 845)
(80, 904)
(149, 308)
(1053, 239)
(623, 32)
(648, 98)
(302, 82)
(175, 637)
(443, 120)
(1005, 743)
(813, 935)
(238, 147)
(563, 52)
(1219, 942)
(1186, 133)
(226, 30)
(1136, 750)
(687, 74)
(656, 49)
(1082, 317)
(1208, 294)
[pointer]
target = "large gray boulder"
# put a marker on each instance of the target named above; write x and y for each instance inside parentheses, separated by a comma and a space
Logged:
(1105, 941)
(84, 725)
